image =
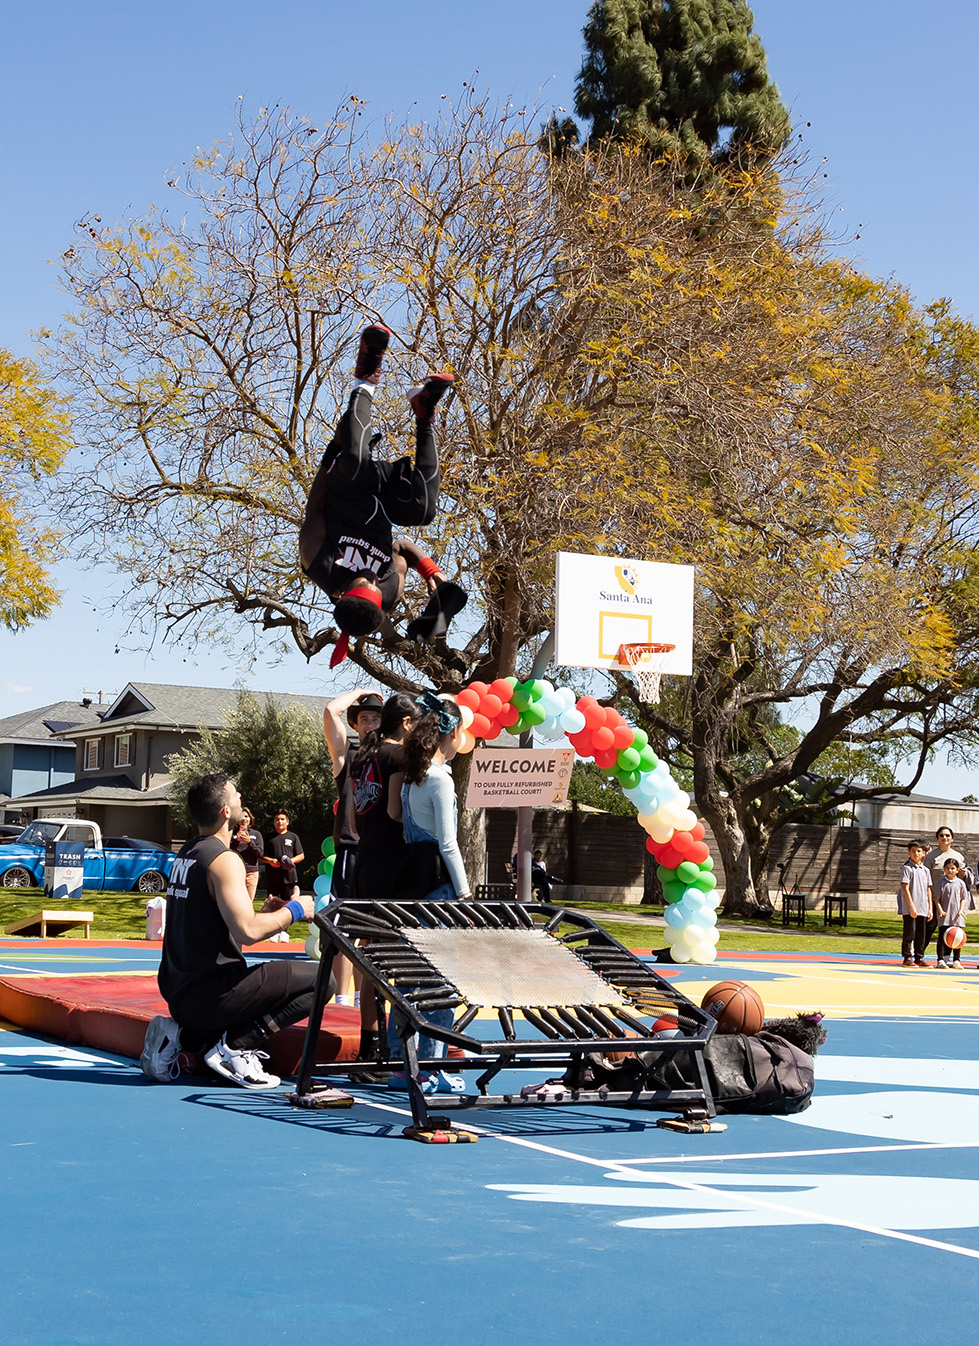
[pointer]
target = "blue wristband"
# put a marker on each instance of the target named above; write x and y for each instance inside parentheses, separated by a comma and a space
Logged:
(296, 908)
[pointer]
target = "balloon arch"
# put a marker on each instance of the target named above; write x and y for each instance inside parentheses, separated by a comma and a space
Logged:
(675, 837)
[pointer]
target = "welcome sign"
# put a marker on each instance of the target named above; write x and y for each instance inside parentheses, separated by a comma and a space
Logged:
(503, 778)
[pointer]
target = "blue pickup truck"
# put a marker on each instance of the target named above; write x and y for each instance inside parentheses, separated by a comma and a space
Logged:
(112, 864)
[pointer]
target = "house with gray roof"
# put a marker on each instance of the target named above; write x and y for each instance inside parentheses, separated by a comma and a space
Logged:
(119, 776)
(36, 748)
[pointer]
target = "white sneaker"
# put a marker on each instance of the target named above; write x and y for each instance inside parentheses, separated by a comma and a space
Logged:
(241, 1067)
(161, 1048)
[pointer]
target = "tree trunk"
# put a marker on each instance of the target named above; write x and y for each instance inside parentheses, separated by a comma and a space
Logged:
(472, 824)
(740, 897)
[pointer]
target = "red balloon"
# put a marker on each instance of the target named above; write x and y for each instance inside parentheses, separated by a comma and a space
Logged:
(467, 697)
(652, 846)
(698, 831)
(622, 734)
(584, 702)
(480, 727)
(612, 718)
(490, 706)
(698, 852)
(603, 739)
(581, 742)
(606, 760)
(594, 716)
(683, 843)
(668, 857)
(502, 689)
(508, 715)
(479, 688)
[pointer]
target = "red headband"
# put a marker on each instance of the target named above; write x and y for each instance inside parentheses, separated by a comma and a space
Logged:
(370, 595)
(342, 645)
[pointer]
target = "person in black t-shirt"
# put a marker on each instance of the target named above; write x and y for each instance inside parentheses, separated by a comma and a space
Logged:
(284, 852)
(218, 1004)
(346, 542)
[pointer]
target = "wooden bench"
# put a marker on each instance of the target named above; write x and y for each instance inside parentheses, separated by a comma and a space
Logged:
(50, 922)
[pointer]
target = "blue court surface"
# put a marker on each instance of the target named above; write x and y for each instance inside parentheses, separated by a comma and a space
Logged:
(199, 1213)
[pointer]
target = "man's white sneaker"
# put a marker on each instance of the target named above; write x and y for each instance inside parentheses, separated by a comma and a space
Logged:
(161, 1048)
(241, 1067)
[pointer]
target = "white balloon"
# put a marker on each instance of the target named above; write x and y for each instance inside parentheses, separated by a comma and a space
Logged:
(685, 820)
(572, 721)
(670, 935)
(660, 831)
(467, 716)
(681, 952)
(313, 946)
(705, 954)
(550, 729)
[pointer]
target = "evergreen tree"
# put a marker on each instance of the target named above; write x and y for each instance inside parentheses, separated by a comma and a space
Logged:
(686, 78)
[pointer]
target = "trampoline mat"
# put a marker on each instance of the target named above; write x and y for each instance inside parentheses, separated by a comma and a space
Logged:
(512, 967)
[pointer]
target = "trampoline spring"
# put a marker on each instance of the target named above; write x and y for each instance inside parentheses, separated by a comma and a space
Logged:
(572, 935)
(399, 915)
(489, 915)
(540, 1023)
(550, 1017)
(636, 1025)
(580, 1029)
(418, 983)
(591, 1020)
(556, 920)
(506, 1023)
(439, 1002)
(518, 916)
(466, 1019)
(605, 1020)
(473, 915)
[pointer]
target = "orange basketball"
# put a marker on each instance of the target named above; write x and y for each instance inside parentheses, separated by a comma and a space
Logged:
(955, 937)
(621, 1056)
(736, 1006)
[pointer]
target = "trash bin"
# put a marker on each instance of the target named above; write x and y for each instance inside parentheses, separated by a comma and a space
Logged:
(64, 870)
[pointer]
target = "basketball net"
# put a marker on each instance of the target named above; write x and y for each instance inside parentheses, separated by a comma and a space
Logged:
(645, 661)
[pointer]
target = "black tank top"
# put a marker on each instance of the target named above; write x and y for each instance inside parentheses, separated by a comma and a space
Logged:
(197, 945)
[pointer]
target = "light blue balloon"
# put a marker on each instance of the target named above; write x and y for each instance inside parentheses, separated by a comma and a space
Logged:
(705, 918)
(321, 884)
(676, 918)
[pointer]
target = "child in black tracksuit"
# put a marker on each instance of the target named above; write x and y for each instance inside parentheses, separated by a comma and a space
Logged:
(954, 900)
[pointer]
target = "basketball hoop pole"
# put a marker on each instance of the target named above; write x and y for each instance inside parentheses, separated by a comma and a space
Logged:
(525, 816)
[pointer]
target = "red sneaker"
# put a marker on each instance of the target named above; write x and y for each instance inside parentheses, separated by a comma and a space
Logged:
(425, 398)
(373, 343)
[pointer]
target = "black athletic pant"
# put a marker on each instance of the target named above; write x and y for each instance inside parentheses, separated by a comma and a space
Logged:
(265, 998)
(408, 494)
(914, 941)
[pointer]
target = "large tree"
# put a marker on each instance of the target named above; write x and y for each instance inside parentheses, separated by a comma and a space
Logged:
(34, 432)
(643, 371)
(685, 78)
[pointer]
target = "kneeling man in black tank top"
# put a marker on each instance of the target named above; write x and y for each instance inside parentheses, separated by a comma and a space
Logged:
(220, 1005)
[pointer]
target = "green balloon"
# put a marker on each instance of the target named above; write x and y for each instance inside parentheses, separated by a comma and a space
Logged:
(325, 867)
(639, 739)
(705, 882)
(672, 892)
(687, 871)
(648, 761)
(629, 759)
(707, 864)
(514, 682)
(629, 779)
(665, 875)
(329, 846)
(535, 713)
(521, 698)
(536, 688)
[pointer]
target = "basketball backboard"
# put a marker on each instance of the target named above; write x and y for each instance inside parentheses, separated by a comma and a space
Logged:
(603, 602)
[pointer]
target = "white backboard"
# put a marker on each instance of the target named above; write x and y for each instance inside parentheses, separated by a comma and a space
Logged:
(603, 602)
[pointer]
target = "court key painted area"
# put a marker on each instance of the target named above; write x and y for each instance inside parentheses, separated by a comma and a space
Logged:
(202, 1213)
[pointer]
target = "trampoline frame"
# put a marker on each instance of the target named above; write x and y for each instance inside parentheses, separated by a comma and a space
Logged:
(373, 935)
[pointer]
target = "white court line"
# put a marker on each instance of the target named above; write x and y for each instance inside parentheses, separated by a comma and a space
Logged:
(752, 1202)
(793, 1154)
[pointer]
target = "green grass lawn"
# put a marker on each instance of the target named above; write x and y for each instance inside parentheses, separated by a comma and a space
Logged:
(116, 915)
(123, 916)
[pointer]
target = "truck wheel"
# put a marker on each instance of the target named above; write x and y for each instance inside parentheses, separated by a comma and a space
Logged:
(18, 877)
(151, 882)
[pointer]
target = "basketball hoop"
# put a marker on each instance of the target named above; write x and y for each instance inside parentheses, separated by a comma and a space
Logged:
(646, 663)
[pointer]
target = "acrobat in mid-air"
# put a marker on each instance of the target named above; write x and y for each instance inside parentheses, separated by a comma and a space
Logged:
(346, 542)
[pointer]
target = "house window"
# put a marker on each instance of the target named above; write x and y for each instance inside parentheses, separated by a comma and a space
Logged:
(92, 754)
(124, 750)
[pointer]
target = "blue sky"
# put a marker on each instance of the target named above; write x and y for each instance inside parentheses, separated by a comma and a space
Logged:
(100, 102)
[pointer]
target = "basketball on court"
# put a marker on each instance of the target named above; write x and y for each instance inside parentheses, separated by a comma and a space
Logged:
(736, 1006)
(955, 937)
